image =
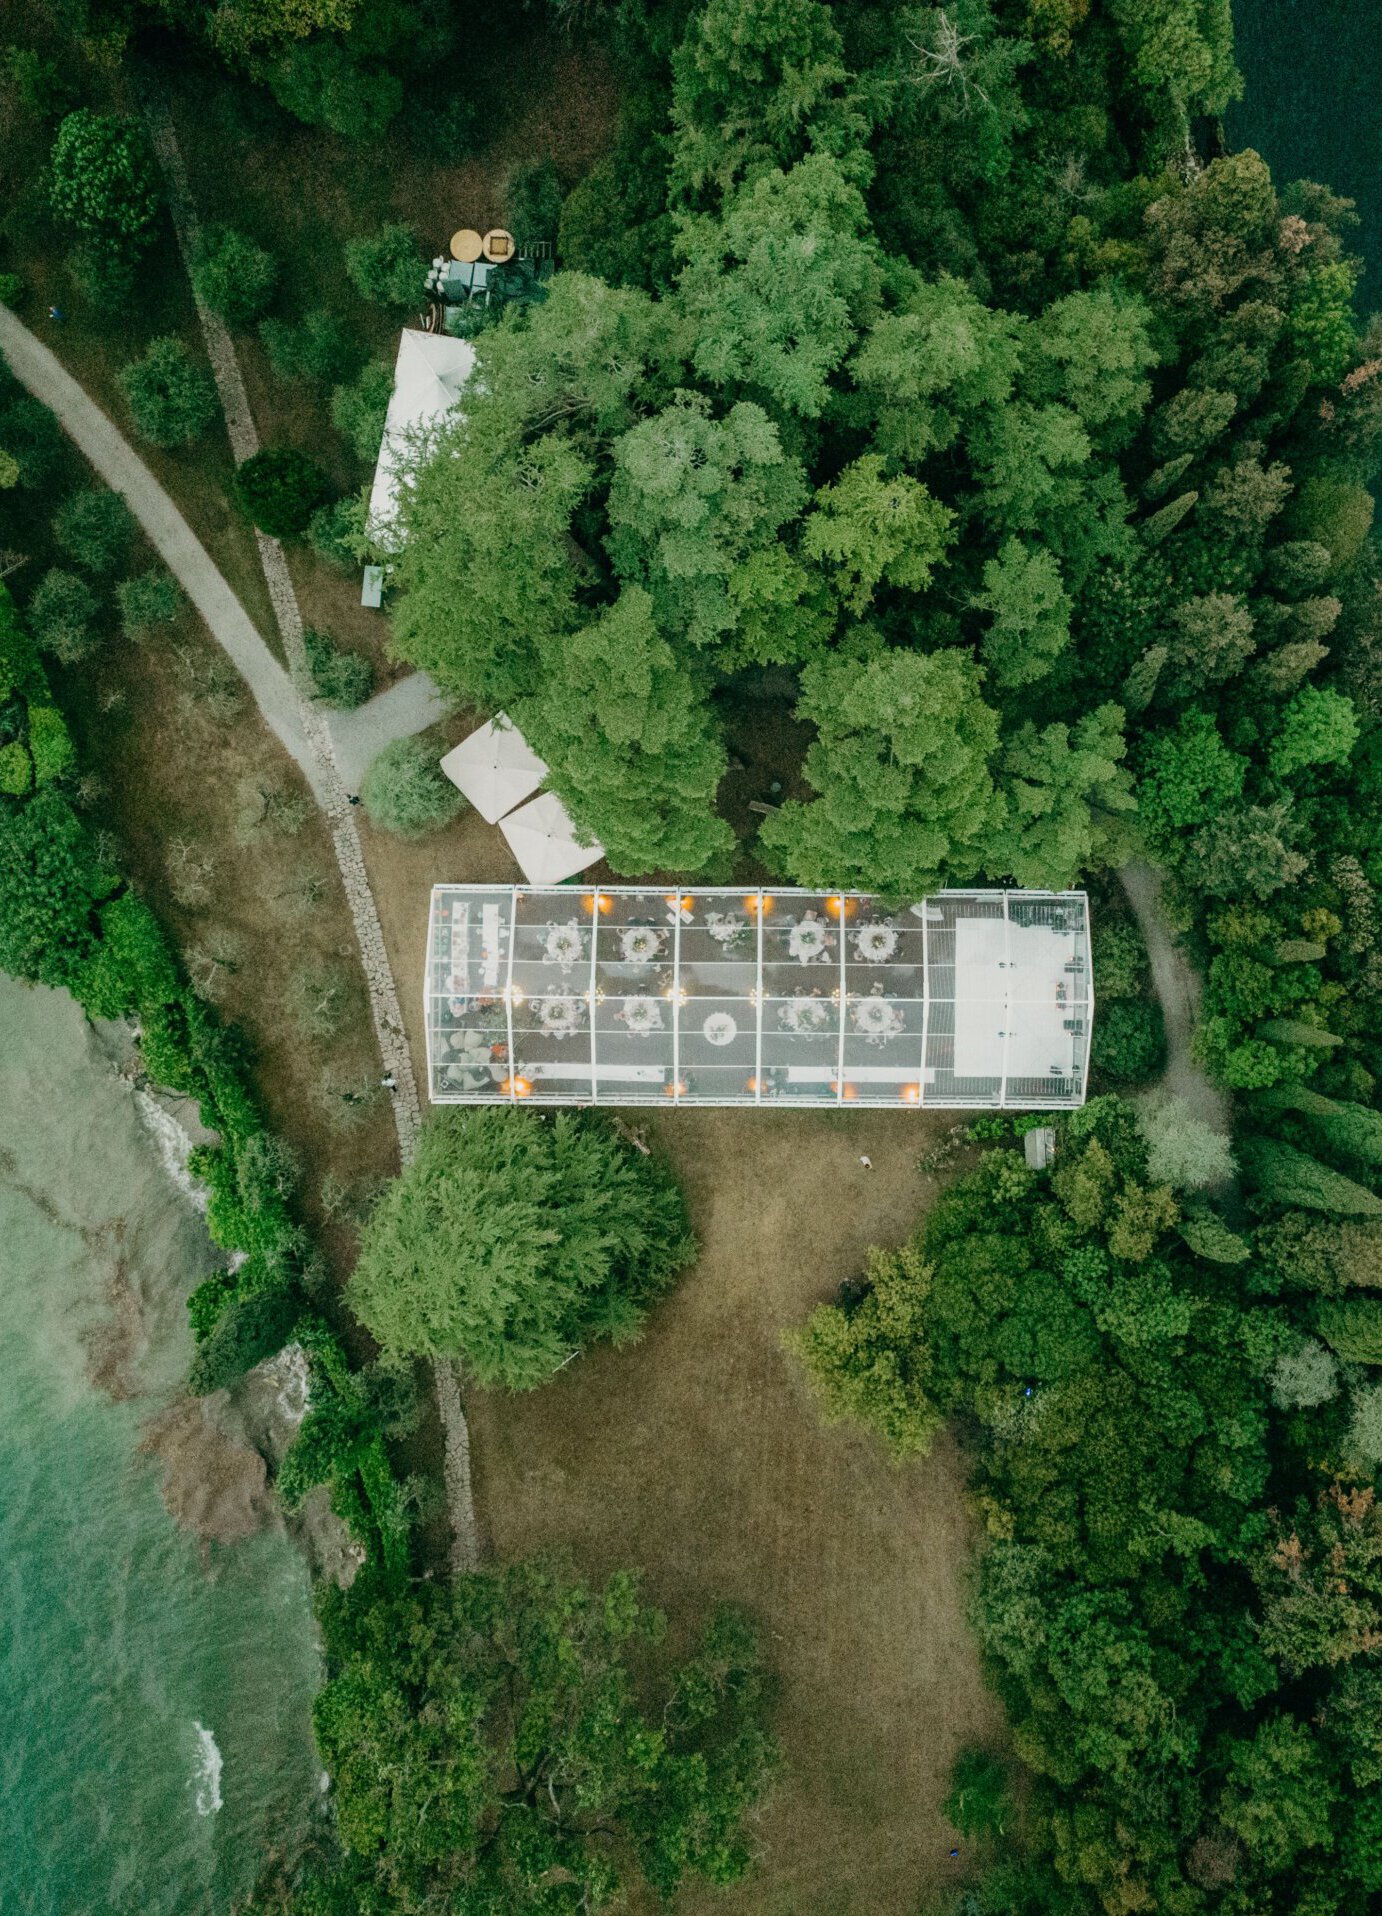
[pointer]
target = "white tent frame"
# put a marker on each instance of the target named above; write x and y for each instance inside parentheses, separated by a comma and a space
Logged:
(1066, 977)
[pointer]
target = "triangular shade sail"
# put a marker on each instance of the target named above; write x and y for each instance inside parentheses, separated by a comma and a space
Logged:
(495, 767)
(430, 371)
(543, 840)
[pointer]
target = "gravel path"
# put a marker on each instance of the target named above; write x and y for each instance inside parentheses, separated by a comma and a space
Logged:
(410, 706)
(1177, 986)
(333, 794)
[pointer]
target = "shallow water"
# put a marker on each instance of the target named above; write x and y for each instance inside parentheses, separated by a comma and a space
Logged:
(154, 1701)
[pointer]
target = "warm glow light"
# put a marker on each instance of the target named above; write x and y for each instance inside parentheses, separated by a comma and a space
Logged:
(514, 994)
(605, 904)
(910, 1093)
(834, 906)
(677, 1090)
(676, 902)
(752, 1085)
(851, 1091)
(516, 1088)
(592, 902)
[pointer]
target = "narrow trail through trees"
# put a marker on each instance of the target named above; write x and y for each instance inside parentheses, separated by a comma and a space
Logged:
(1178, 991)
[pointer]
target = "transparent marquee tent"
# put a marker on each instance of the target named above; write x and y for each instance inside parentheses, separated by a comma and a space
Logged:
(627, 996)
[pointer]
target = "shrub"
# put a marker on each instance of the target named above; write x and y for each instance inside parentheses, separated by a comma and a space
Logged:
(533, 202)
(358, 410)
(245, 1332)
(1128, 1045)
(321, 84)
(234, 276)
(321, 348)
(279, 489)
(148, 600)
(95, 527)
(341, 679)
(60, 615)
(16, 768)
(50, 744)
(33, 439)
(513, 1240)
(103, 180)
(979, 1803)
(404, 792)
(388, 268)
(1182, 1150)
(333, 532)
(171, 398)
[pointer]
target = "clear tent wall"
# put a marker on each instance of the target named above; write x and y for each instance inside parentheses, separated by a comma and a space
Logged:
(626, 995)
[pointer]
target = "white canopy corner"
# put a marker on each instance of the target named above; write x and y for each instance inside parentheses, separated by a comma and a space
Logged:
(495, 767)
(543, 840)
(428, 376)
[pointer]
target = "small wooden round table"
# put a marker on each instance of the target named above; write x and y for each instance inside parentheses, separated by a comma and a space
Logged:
(466, 246)
(498, 245)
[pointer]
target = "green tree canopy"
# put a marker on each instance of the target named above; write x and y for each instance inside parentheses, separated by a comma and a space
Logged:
(497, 1746)
(513, 1240)
(902, 766)
(629, 735)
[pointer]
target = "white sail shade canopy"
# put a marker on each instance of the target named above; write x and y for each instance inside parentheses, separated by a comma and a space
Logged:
(495, 767)
(543, 840)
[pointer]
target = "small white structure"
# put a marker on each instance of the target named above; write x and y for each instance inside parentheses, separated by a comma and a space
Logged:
(496, 768)
(428, 377)
(543, 840)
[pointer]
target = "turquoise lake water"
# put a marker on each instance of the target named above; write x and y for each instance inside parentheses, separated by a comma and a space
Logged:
(154, 1698)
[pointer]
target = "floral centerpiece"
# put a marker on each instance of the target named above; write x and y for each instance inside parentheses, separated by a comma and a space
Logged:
(561, 1017)
(809, 940)
(563, 946)
(640, 944)
(641, 1015)
(727, 928)
(875, 944)
(877, 1019)
(805, 1015)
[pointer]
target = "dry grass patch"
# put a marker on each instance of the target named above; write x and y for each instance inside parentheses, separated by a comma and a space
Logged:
(699, 1456)
(185, 764)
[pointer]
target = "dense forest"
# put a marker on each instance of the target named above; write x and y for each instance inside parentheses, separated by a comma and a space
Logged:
(938, 375)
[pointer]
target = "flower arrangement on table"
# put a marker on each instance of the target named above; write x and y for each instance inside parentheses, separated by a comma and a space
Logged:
(720, 1029)
(809, 941)
(564, 946)
(727, 928)
(877, 1018)
(640, 944)
(875, 944)
(561, 1017)
(805, 1016)
(641, 1015)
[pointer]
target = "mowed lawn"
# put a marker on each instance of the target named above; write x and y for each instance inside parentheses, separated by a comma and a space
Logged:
(698, 1455)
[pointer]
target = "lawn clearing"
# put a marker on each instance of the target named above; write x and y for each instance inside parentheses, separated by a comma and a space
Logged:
(698, 1454)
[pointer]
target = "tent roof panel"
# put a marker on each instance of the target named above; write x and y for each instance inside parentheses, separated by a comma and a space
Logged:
(628, 994)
